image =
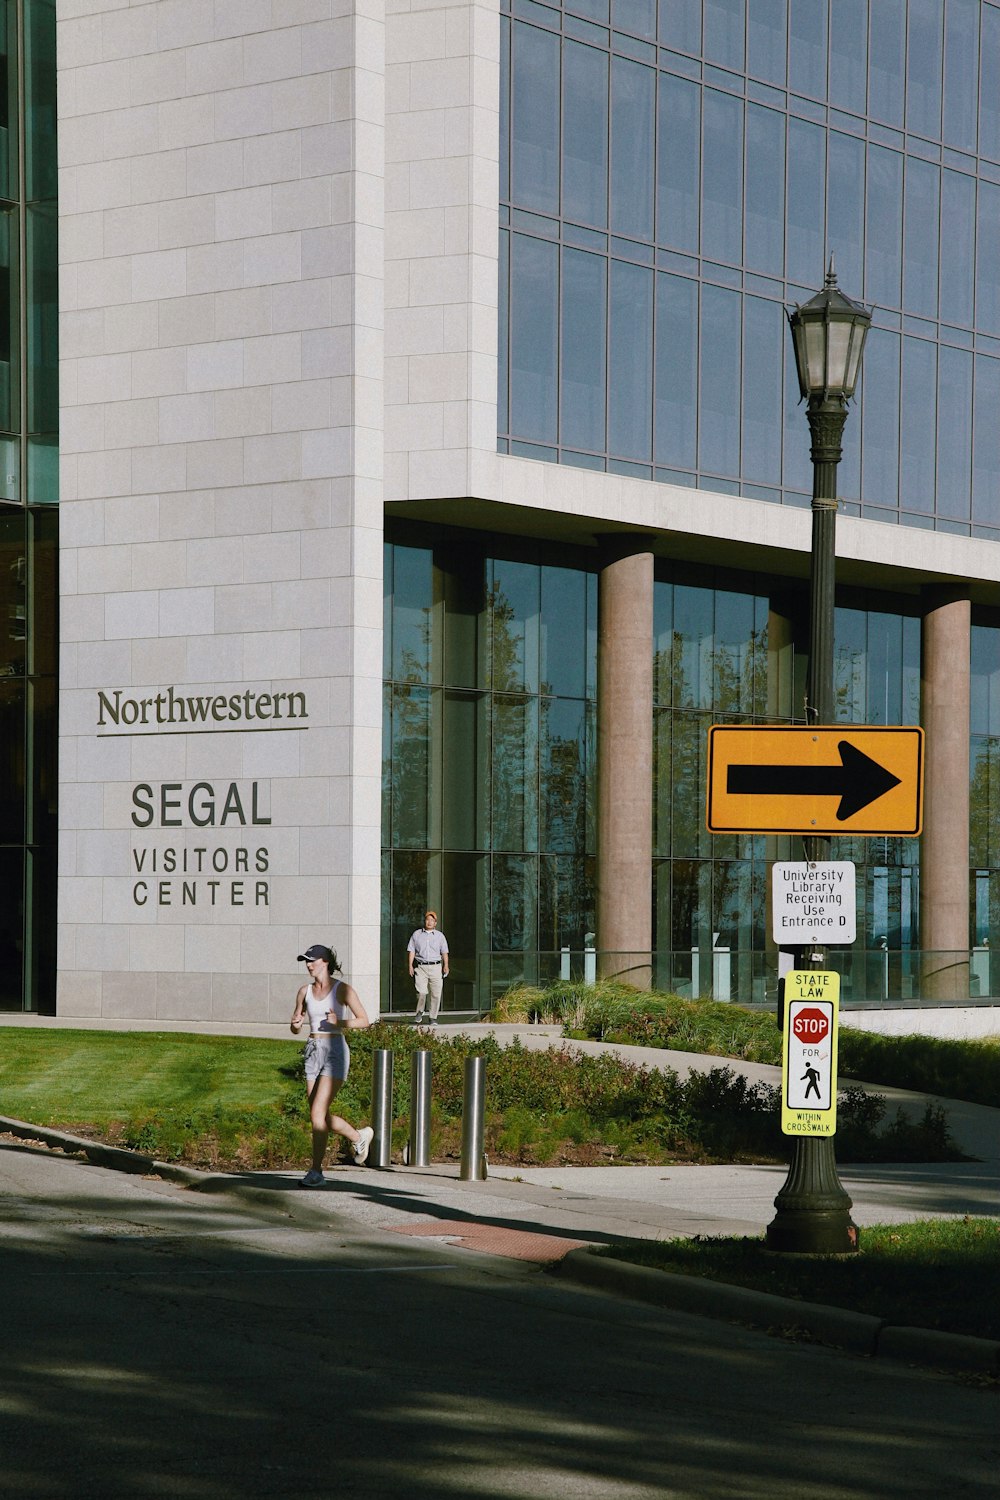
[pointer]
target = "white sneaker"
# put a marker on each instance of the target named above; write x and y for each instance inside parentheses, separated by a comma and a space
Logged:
(313, 1178)
(362, 1144)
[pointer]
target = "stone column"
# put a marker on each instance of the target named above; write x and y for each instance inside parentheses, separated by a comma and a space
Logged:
(625, 756)
(944, 854)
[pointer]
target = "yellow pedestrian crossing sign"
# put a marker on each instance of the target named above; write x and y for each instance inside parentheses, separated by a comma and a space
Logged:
(809, 1053)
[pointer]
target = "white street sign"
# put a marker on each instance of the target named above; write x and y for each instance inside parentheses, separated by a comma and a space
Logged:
(813, 902)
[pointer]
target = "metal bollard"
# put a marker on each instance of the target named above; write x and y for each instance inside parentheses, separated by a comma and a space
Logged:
(473, 1156)
(380, 1151)
(419, 1154)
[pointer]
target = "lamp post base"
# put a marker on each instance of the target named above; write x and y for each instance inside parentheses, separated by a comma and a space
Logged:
(813, 1211)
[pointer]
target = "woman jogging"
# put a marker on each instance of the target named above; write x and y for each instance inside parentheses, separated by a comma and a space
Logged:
(333, 1009)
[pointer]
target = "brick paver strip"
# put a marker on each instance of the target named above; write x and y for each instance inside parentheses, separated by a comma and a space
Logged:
(494, 1239)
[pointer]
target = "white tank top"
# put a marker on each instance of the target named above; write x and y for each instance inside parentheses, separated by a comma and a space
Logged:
(318, 1009)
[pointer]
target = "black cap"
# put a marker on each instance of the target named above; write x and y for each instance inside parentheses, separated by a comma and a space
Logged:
(316, 951)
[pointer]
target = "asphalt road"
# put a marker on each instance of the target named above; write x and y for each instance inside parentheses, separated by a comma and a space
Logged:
(161, 1343)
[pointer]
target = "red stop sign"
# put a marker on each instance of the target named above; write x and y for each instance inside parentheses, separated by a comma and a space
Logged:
(811, 1025)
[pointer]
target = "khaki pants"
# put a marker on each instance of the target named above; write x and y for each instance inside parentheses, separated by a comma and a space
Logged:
(428, 979)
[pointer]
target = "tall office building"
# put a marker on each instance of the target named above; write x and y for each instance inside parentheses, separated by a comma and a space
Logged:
(427, 425)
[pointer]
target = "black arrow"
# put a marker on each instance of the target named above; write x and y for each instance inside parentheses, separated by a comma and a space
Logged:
(857, 781)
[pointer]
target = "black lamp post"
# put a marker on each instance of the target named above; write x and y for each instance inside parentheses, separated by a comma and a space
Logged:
(813, 1210)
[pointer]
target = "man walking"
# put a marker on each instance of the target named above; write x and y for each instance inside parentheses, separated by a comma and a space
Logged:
(427, 957)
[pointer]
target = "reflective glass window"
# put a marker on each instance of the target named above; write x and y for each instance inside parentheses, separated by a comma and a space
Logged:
(923, 67)
(692, 647)
(886, 49)
(40, 99)
(920, 238)
(680, 25)
(584, 364)
(513, 904)
(9, 361)
(679, 163)
(733, 654)
(987, 265)
(763, 332)
(515, 772)
(796, 467)
(12, 921)
(504, 109)
(8, 100)
(562, 775)
(412, 605)
(719, 395)
(880, 419)
(515, 605)
(846, 207)
(13, 695)
(503, 334)
(918, 426)
(954, 412)
(411, 812)
(767, 40)
(43, 319)
(534, 308)
(985, 681)
(630, 363)
(637, 16)
(986, 443)
(13, 594)
(804, 229)
(961, 70)
(535, 145)
(883, 247)
(633, 96)
(807, 23)
(958, 247)
(849, 54)
(989, 84)
(724, 33)
(722, 178)
(563, 638)
(765, 190)
(676, 372)
(585, 134)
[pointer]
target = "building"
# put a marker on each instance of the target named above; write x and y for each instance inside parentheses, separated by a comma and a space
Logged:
(426, 412)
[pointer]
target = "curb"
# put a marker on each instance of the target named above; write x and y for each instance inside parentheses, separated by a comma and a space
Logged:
(859, 1333)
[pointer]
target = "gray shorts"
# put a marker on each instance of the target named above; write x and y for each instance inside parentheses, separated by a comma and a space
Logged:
(327, 1057)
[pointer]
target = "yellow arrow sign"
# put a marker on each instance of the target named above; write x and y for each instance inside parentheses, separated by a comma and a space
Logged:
(827, 779)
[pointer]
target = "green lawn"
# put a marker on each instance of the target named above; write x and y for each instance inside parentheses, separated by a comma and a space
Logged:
(938, 1273)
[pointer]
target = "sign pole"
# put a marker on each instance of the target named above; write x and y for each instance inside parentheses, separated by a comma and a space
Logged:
(813, 1210)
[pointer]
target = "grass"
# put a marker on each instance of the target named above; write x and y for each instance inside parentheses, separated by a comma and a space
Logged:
(615, 1012)
(238, 1103)
(937, 1273)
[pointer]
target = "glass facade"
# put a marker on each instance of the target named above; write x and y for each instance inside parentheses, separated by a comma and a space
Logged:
(29, 490)
(674, 174)
(488, 760)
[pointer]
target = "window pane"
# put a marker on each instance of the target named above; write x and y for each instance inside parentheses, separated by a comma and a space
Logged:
(958, 247)
(584, 366)
(412, 606)
(807, 47)
(43, 748)
(886, 44)
(42, 321)
(13, 594)
(513, 904)
(533, 332)
(692, 637)
(805, 243)
(989, 86)
(515, 607)
(961, 69)
(719, 451)
(638, 16)
(954, 433)
(563, 632)
(883, 249)
(40, 99)
(848, 54)
(411, 767)
(9, 418)
(630, 405)
(680, 25)
(986, 444)
(846, 210)
(12, 767)
(8, 101)
(732, 656)
(633, 93)
(676, 372)
(920, 243)
(988, 266)
(763, 324)
(504, 109)
(918, 422)
(724, 33)
(765, 190)
(679, 166)
(503, 334)
(923, 68)
(563, 775)
(515, 773)
(722, 188)
(766, 40)
(535, 147)
(585, 134)
(880, 419)
(12, 924)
